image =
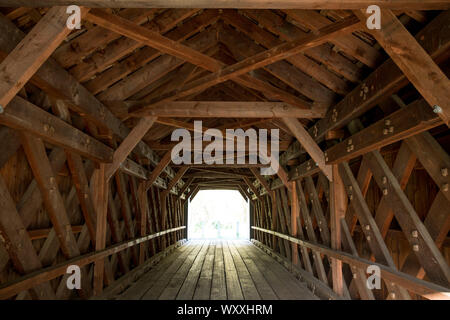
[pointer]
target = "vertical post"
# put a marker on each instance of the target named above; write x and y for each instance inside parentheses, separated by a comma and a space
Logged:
(274, 219)
(252, 220)
(143, 207)
(294, 216)
(100, 190)
(338, 209)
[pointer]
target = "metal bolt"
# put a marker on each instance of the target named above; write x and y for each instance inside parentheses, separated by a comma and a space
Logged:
(385, 132)
(391, 130)
(445, 187)
(437, 109)
(350, 197)
(1, 109)
(444, 172)
(387, 122)
(367, 227)
(384, 180)
(350, 142)
(368, 238)
(385, 192)
(414, 234)
(354, 276)
(416, 247)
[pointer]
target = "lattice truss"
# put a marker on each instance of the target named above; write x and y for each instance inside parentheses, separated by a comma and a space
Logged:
(86, 175)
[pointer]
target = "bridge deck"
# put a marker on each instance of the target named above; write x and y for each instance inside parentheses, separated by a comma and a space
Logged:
(218, 270)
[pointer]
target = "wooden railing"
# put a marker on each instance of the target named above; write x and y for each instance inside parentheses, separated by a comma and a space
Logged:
(424, 288)
(30, 280)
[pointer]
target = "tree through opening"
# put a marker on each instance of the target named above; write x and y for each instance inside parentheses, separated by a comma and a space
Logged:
(218, 214)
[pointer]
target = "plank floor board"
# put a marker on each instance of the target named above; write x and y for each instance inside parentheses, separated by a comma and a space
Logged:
(218, 270)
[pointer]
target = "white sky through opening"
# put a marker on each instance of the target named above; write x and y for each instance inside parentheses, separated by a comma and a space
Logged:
(218, 214)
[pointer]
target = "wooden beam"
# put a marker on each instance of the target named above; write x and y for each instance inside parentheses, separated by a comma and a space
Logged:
(414, 61)
(18, 243)
(57, 82)
(338, 207)
(158, 169)
(283, 51)
(32, 52)
(54, 204)
(295, 214)
(426, 251)
(25, 116)
(406, 122)
(384, 81)
(129, 144)
(101, 195)
(222, 109)
(309, 144)
(241, 4)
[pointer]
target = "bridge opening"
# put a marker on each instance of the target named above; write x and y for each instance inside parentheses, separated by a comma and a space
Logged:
(219, 214)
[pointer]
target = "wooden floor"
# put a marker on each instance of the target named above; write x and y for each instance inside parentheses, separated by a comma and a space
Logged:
(218, 270)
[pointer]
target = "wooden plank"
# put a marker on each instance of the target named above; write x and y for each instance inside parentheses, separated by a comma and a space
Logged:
(222, 109)
(172, 288)
(189, 286)
(260, 4)
(128, 144)
(248, 286)
(414, 61)
(283, 283)
(218, 277)
(309, 144)
(233, 286)
(262, 285)
(32, 52)
(25, 116)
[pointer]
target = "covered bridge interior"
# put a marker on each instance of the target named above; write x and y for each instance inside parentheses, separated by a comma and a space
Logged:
(86, 170)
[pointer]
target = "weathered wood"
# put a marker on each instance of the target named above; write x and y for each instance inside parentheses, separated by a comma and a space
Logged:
(32, 52)
(426, 289)
(46, 180)
(338, 208)
(262, 59)
(260, 4)
(18, 243)
(309, 144)
(414, 61)
(40, 276)
(371, 231)
(213, 109)
(384, 81)
(101, 195)
(23, 115)
(409, 121)
(428, 254)
(129, 144)
(57, 82)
